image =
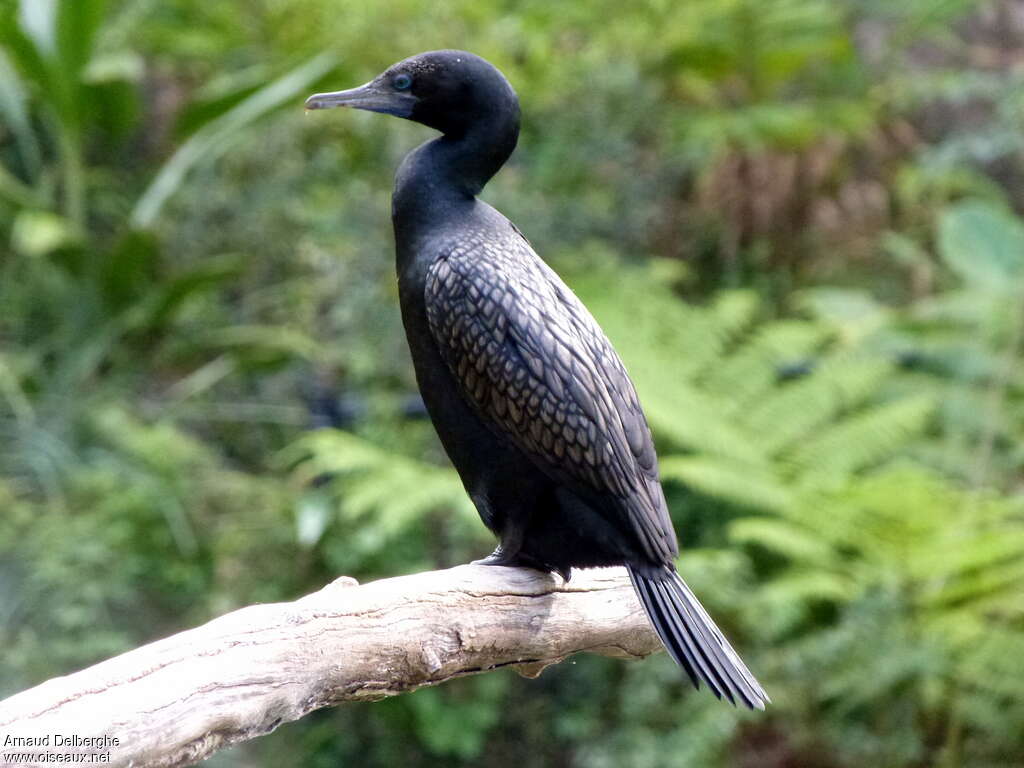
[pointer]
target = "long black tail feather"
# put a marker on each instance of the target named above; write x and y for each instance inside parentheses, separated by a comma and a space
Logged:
(693, 640)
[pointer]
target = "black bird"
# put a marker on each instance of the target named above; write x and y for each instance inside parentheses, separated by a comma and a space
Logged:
(529, 399)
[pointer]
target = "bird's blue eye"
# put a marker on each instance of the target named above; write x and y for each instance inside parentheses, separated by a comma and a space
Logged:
(402, 82)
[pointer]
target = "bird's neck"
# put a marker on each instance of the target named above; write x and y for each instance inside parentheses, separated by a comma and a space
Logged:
(438, 178)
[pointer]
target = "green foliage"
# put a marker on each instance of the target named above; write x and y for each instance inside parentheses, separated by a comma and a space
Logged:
(740, 63)
(194, 273)
(921, 581)
(84, 291)
(383, 499)
(984, 247)
(962, 345)
(459, 727)
(141, 539)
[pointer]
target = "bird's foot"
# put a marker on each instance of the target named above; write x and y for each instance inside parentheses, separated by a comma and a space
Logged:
(519, 560)
(500, 557)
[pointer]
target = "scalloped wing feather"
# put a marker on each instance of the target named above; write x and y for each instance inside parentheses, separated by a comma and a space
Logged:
(534, 364)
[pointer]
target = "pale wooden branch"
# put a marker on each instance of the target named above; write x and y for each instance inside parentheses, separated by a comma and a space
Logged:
(178, 700)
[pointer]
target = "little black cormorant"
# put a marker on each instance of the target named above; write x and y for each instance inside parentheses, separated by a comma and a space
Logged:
(529, 399)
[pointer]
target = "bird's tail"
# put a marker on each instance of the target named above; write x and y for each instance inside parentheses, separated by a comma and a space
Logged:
(693, 640)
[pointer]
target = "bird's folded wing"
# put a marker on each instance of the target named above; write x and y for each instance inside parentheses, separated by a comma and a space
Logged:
(535, 365)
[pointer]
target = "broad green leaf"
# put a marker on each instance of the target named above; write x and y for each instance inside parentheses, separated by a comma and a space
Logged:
(984, 246)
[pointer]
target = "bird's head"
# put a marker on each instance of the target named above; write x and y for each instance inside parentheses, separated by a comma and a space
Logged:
(449, 91)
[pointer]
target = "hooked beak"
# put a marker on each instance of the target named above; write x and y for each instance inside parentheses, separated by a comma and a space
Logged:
(373, 96)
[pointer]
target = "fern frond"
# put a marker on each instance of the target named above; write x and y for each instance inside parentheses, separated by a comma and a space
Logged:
(862, 440)
(401, 494)
(793, 411)
(692, 419)
(397, 489)
(745, 485)
(752, 370)
(789, 539)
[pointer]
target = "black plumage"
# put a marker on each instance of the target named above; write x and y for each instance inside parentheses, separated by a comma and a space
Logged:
(529, 398)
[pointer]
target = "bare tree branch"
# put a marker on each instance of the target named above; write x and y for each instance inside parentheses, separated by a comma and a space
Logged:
(178, 700)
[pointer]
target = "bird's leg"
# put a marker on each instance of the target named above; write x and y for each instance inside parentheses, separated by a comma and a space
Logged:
(503, 555)
(499, 557)
(507, 551)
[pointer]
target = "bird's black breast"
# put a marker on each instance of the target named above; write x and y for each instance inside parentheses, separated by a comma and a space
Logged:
(534, 365)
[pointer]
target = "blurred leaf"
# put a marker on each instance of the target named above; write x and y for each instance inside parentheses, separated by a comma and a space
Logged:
(215, 137)
(39, 21)
(740, 484)
(77, 23)
(312, 517)
(264, 344)
(38, 233)
(167, 297)
(121, 65)
(14, 111)
(219, 95)
(128, 269)
(984, 246)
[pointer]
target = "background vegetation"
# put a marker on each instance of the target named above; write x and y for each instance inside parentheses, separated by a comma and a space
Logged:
(797, 219)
